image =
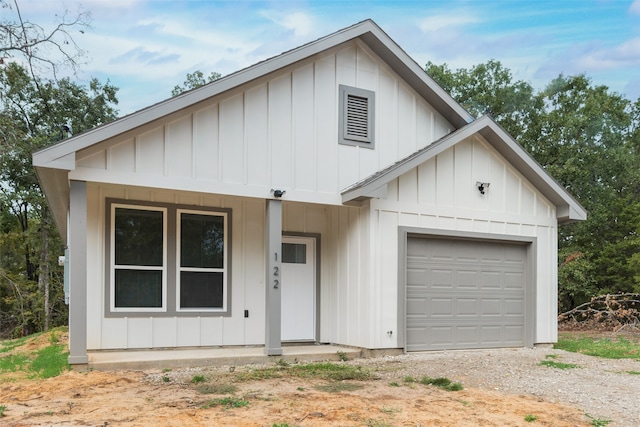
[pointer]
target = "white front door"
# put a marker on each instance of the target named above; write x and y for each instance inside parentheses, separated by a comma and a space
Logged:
(298, 289)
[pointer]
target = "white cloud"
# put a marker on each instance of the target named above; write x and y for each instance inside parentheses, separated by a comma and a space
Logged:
(600, 57)
(627, 52)
(299, 22)
(146, 47)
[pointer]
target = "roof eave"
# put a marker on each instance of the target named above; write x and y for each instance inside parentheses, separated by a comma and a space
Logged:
(568, 209)
(416, 77)
(55, 181)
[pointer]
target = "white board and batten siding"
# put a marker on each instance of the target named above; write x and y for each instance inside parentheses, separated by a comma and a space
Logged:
(151, 332)
(343, 233)
(441, 194)
(276, 126)
(280, 131)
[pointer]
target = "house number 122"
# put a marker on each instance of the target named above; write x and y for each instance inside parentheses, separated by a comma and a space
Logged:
(276, 282)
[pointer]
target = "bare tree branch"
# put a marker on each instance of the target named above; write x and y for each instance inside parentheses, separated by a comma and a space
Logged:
(615, 311)
(34, 43)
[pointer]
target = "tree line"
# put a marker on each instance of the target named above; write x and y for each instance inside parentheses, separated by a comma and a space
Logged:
(586, 136)
(37, 109)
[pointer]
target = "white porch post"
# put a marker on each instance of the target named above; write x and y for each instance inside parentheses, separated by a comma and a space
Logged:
(273, 225)
(77, 231)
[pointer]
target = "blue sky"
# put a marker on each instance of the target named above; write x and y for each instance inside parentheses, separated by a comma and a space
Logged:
(146, 47)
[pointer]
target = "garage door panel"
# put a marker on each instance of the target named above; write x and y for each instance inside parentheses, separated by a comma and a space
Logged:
(514, 280)
(491, 335)
(466, 307)
(466, 279)
(513, 307)
(514, 256)
(468, 294)
(444, 337)
(417, 307)
(417, 335)
(441, 278)
(417, 277)
(441, 307)
(490, 280)
(490, 307)
(466, 335)
(441, 336)
(513, 334)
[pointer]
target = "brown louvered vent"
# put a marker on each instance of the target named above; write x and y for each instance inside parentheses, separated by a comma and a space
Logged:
(357, 117)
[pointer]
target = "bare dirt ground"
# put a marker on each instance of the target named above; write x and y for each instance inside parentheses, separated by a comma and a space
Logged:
(502, 388)
(126, 399)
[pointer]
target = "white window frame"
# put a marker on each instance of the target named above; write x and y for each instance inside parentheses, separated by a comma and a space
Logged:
(344, 136)
(113, 266)
(223, 270)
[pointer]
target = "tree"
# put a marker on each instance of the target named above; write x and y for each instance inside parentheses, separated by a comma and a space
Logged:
(490, 89)
(36, 109)
(584, 142)
(194, 80)
(43, 51)
(576, 275)
(588, 139)
(34, 113)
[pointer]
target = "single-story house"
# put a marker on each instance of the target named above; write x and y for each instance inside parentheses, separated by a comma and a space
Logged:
(331, 194)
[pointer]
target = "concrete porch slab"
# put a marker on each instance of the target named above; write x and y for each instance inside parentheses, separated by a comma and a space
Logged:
(222, 356)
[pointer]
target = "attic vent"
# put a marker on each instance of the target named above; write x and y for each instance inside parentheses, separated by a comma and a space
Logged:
(356, 116)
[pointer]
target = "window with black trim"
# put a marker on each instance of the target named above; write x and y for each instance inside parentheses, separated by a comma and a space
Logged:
(356, 123)
(167, 259)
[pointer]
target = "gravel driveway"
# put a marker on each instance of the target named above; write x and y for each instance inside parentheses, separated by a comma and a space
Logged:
(602, 388)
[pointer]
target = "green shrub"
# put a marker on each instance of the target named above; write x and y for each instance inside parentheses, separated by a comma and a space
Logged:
(557, 365)
(198, 379)
(216, 388)
(443, 383)
(227, 402)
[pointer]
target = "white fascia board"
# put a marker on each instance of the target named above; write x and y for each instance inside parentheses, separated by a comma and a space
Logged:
(417, 77)
(568, 209)
(532, 170)
(567, 214)
(66, 162)
(368, 186)
(577, 215)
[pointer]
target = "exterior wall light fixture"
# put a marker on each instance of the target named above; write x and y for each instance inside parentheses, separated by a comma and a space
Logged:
(482, 186)
(277, 193)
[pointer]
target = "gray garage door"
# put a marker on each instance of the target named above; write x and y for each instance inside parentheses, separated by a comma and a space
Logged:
(464, 294)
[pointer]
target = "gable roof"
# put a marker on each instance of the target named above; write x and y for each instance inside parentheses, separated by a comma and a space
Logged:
(59, 155)
(53, 163)
(568, 209)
